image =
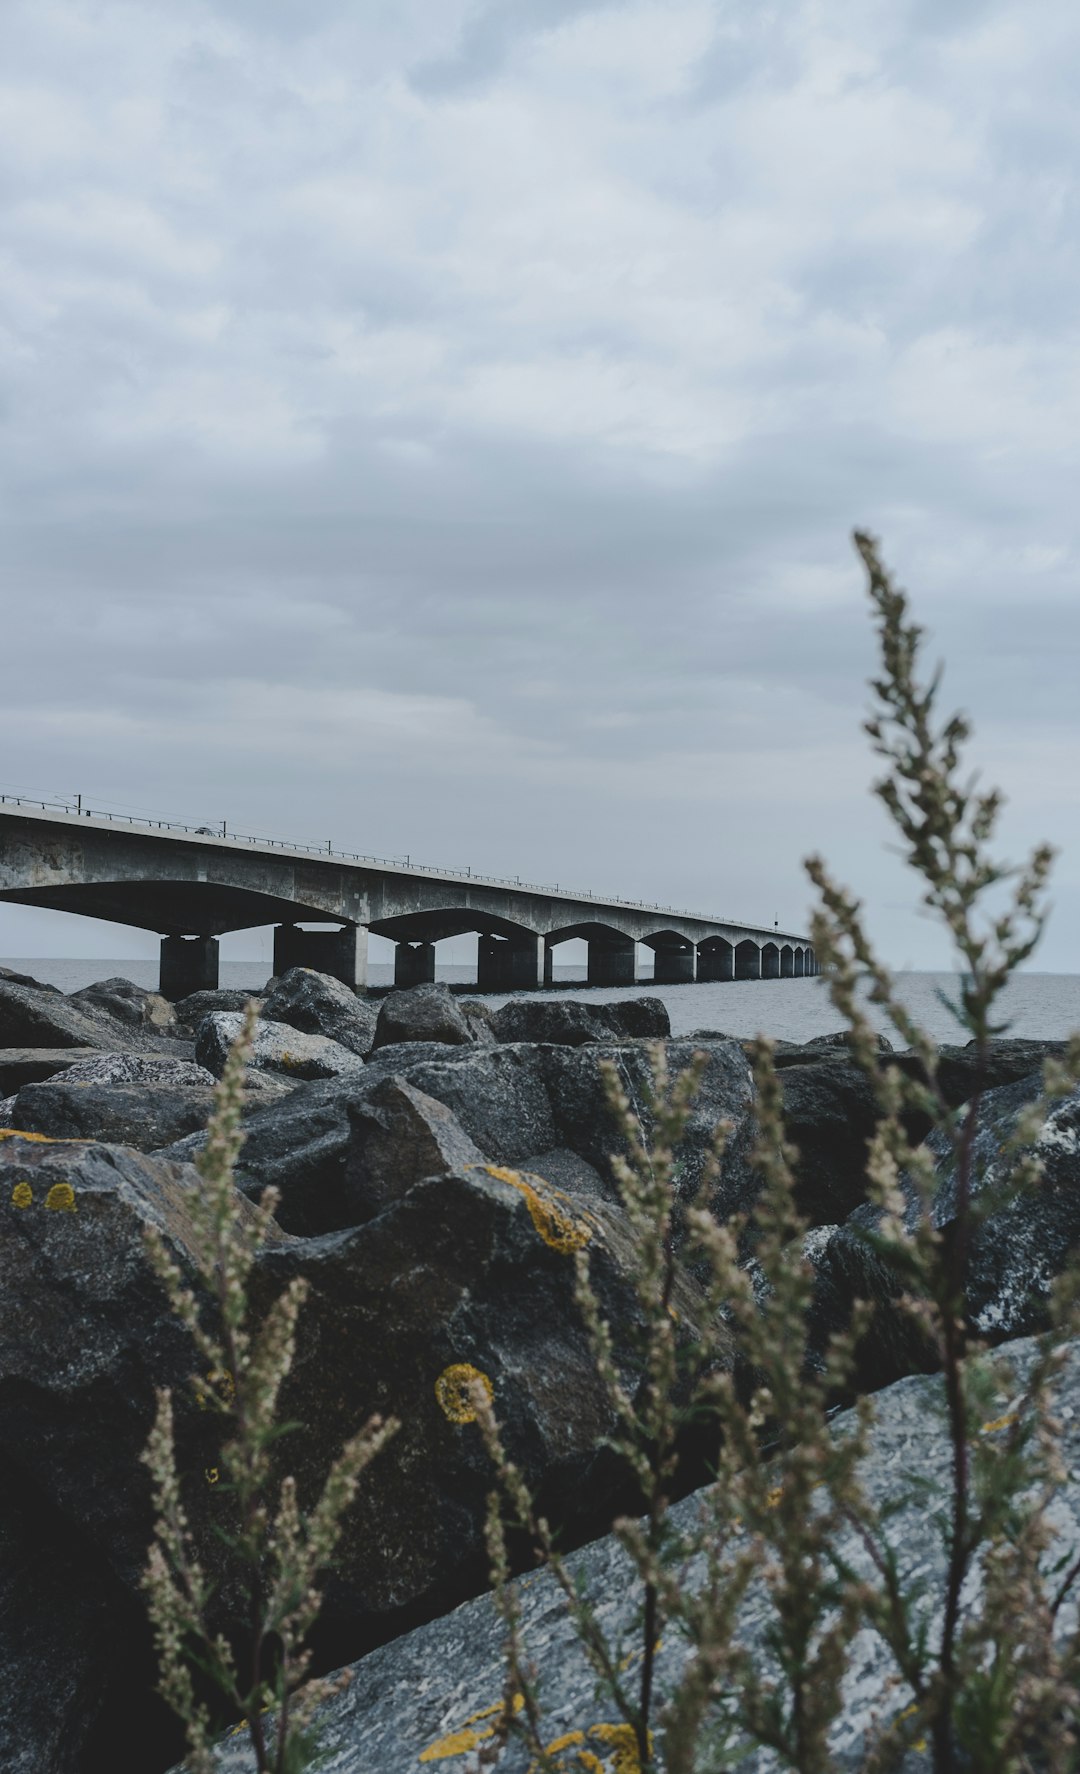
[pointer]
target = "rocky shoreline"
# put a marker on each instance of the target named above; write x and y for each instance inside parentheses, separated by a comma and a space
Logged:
(436, 1162)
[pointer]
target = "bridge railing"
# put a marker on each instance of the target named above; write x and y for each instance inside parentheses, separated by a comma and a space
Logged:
(396, 862)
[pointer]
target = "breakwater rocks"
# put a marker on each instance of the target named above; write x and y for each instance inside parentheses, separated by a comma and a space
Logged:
(438, 1165)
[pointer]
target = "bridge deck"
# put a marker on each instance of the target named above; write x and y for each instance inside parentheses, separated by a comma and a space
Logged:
(193, 884)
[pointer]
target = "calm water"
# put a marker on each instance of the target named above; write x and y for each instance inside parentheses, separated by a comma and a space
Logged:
(1044, 1006)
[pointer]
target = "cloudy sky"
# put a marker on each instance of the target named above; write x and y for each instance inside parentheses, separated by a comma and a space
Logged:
(438, 425)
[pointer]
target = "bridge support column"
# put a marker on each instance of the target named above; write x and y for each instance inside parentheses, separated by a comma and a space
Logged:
(715, 963)
(188, 964)
(505, 965)
(747, 961)
(341, 953)
(612, 964)
(414, 963)
(673, 967)
(549, 964)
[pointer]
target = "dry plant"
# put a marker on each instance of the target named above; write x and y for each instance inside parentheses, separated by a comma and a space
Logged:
(276, 1550)
(988, 1670)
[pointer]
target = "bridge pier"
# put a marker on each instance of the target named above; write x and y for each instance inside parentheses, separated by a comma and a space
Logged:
(188, 964)
(612, 963)
(673, 967)
(341, 953)
(414, 964)
(715, 961)
(506, 965)
(747, 960)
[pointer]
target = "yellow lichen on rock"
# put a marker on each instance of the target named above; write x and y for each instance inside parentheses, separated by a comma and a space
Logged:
(617, 1751)
(454, 1391)
(38, 1139)
(61, 1198)
(560, 1230)
(462, 1742)
(22, 1195)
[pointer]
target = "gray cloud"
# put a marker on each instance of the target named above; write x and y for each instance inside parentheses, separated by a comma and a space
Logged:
(441, 426)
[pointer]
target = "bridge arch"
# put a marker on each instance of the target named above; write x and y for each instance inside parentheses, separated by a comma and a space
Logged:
(509, 955)
(674, 957)
(612, 953)
(787, 962)
(770, 960)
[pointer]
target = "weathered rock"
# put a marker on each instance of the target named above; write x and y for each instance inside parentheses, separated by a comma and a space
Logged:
(128, 1003)
(145, 1116)
(471, 1267)
(566, 1021)
(318, 1004)
(830, 1114)
(961, 1073)
(413, 1701)
(512, 1101)
(399, 1137)
(844, 1038)
(422, 1013)
(73, 1653)
(151, 1069)
(499, 1094)
(25, 979)
(278, 1048)
(583, 1121)
(191, 1010)
(28, 1065)
(564, 1170)
(85, 1335)
(570, 1022)
(1013, 1258)
(480, 1019)
(639, 1018)
(30, 1017)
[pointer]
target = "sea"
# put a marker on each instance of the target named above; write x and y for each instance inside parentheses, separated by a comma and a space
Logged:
(1039, 1006)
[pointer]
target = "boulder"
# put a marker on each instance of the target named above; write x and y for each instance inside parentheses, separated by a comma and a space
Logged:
(512, 1101)
(278, 1048)
(1014, 1256)
(25, 979)
(571, 1022)
(470, 1268)
(31, 1017)
(566, 1021)
(564, 1170)
(422, 1013)
(128, 1003)
(28, 1065)
(480, 1019)
(583, 1121)
(844, 1038)
(157, 1071)
(433, 1694)
(318, 1004)
(961, 1073)
(145, 1116)
(638, 1019)
(830, 1113)
(399, 1137)
(74, 1662)
(191, 1010)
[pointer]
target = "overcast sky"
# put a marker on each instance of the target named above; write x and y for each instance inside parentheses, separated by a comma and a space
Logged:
(438, 425)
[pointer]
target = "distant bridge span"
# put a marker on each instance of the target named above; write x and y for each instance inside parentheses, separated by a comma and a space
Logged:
(192, 885)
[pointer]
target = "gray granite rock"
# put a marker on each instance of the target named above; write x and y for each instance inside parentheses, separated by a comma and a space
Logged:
(128, 1003)
(278, 1048)
(430, 1697)
(318, 1004)
(33, 1017)
(146, 1116)
(422, 1013)
(191, 1010)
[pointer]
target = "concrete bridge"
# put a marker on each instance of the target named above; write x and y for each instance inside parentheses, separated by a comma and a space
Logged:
(193, 884)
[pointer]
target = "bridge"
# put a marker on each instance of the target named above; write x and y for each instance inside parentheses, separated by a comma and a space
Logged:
(193, 884)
